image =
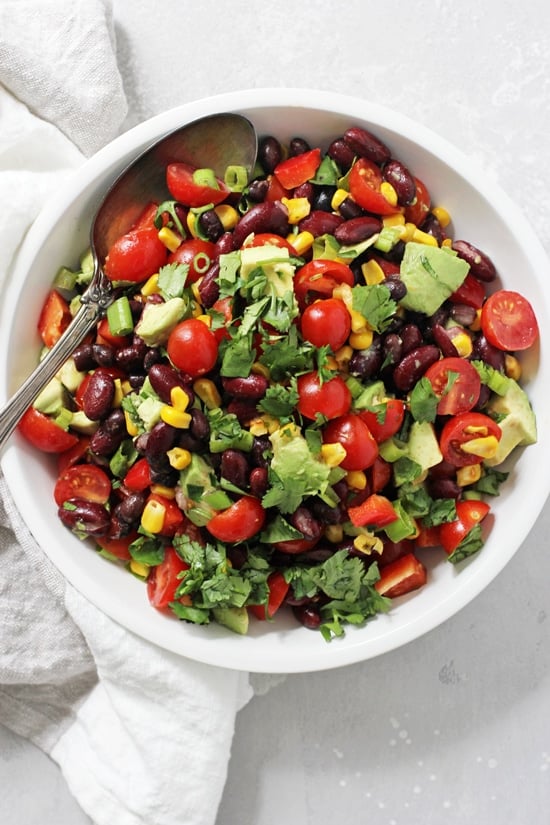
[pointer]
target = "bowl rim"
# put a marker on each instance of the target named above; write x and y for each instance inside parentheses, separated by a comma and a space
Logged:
(356, 647)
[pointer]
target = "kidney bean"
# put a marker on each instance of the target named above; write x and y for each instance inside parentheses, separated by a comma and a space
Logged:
(341, 153)
(152, 356)
(304, 521)
(305, 190)
(397, 174)
(161, 439)
(366, 145)
(463, 314)
(130, 358)
(358, 229)
(244, 409)
(83, 358)
(109, 435)
(164, 378)
(411, 337)
(322, 198)
(98, 395)
(261, 448)
(327, 514)
(298, 146)
(234, 467)
(85, 517)
(484, 351)
(481, 266)
(392, 348)
(366, 363)
(257, 190)
(431, 226)
(484, 396)
(270, 153)
(396, 286)
(443, 470)
(199, 427)
(252, 387)
(223, 245)
(103, 355)
(211, 225)
(442, 339)
(129, 510)
(444, 488)
(308, 615)
(413, 365)
(258, 481)
(350, 209)
(136, 381)
(320, 223)
(209, 289)
(269, 216)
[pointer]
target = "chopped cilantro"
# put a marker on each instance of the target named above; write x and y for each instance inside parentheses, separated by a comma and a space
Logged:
(423, 401)
(375, 303)
(280, 401)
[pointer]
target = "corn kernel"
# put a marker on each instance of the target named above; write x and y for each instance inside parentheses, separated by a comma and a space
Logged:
(442, 216)
(206, 319)
(338, 198)
(512, 367)
(176, 418)
(260, 369)
(389, 193)
(334, 533)
(131, 428)
(207, 392)
(169, 238)
(358, 322)
(302, 242)
(162, 490)
(393, 220)
(126, 387)
(228, 215)
(264, 425)
(151, 286)
(356, 479)
(361, 340)
(343, 293)
(119, 393)
(372, 272)
(475, 326)
(424, 237)
(468, 475)
(179, 458)
(484, 447)
(196, 292)
(298, 208)
(463, 344)
(179, 398)
(152, 517)
(447, 242)
(191, 221)
(408, 231)
(333, 454)
(368, 543)
(342, 357)
(139, 569)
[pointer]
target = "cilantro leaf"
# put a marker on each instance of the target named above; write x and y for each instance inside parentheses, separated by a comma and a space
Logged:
(172, 279)
(375, 303)
(470, 544)
(423, 401)
(280, 401)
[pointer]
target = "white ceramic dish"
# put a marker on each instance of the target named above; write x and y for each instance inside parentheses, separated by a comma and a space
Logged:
(481, 213)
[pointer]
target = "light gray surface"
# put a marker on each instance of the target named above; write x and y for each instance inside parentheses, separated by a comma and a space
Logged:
(454, 727)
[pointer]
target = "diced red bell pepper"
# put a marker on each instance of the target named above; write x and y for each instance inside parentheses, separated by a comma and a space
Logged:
(375, 511)
(278, 588)
(401, 576)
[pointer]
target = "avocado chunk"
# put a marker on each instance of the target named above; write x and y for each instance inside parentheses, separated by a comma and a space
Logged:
(519, 426)
(422, 446)
(235, 618)
(431, 274)
(52, 399)
(158, 321)
(275, 263)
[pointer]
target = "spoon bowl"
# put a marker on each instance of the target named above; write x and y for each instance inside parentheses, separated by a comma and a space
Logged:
(215, 141)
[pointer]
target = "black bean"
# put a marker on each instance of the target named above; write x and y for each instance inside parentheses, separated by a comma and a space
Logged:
(484, 351)
(84, 358)
(130, 358)
(463, 314)
(341, 153)
(129, 510)
(298, 146)
(350, 209)
(322, 198)
(103, 355)
(211, 225)
(411, 337)
(392, 348)
(257, 190)
(396, 286)
(270, 153)
(366, 363)
(304, 521)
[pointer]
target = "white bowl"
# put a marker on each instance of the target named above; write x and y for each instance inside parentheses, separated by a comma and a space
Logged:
(481, 213)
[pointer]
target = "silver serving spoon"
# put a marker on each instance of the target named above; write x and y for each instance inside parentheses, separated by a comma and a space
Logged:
(213, 142)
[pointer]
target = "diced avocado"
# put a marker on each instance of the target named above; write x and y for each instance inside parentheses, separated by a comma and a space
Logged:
(69, 376)
(196, 482)
(431, 274)
(280, 273)
(52, 399)
(82, 424)
(235, 618)
(519, 426)
(158, 320)
(422, 446)
(148, 410)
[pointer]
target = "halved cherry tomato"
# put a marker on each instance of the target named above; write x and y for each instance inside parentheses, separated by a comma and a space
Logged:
(146, 219)
(365, 180)
(165, 578)
(269, 239)
(326, 323)
(135, 256)
(508, 321)
(417, 212)
(471, 292)
(379, 474)
(375, 511)
(44, 434)
(275, 190)
(386, 423)
(54, 318)
(319, 278)
(470, 512)
(117, 547)
(456, 382)
(278, 588)
(355, 437)
(138, 477)
(242, 520)
(462, 430)
(105, 336)
(192, 347)
(296, 170)
(74, 455)
(401, 576)
(197, 254)
(86, 481)
(173, 516)
(295, 546)
(330, 398)
(183, 186)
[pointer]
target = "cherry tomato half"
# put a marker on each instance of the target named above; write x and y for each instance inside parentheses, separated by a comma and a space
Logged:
(508, 321)
(86, 481)
(318, 278)
(355, 437)
(44, 434)
(469, 513)
(165, 578)
(463, 430)
(330, 398)
(326, 323)
(54, 318)
(192, 347)
(196, 254)
(296, 170)
(117, 547)
(278, 588)
(386, 423)
(456, 382)
(138, 477)
(365, 180)
(417, 212)
(242, 520)
(186, 188)
(135, 256)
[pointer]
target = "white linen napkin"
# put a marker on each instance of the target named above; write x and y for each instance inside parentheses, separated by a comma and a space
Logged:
(142, 736)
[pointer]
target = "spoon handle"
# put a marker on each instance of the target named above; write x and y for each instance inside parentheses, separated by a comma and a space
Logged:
(82, 323)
